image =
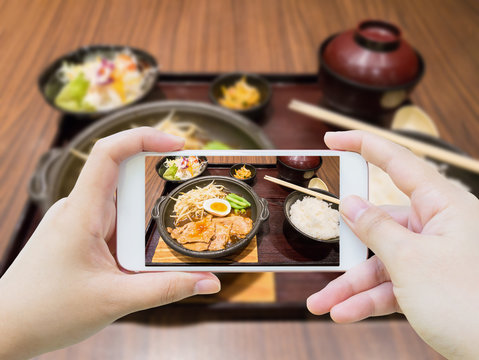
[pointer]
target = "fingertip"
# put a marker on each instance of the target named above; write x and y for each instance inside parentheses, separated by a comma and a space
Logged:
(314, 306)
(330, 138)
(311, 306)
(332, 315)
(337, 139)
(207, 286)
(337, 314)
(206, 283)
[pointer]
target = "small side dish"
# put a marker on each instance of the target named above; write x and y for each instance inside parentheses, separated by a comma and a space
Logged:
(101, 83)
(240, 96)
(203, 218)
(183, 168)
(242, 173)
(246, 94)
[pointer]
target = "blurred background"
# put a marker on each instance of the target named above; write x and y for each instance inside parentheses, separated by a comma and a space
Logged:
(194, 42)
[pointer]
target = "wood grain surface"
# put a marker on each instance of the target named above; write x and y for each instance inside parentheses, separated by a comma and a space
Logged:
(201, 35)
(187, 335)
(164, 255)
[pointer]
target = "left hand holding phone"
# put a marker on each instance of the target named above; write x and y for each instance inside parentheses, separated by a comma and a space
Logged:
(65, 284)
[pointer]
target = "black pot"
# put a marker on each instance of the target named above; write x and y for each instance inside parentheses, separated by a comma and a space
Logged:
(58, 170)
(163, 208)
(375, 104)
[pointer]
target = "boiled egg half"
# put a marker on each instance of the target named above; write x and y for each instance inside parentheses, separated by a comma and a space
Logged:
(218, 207)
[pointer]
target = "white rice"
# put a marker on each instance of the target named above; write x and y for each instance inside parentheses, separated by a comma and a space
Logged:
(315, 218)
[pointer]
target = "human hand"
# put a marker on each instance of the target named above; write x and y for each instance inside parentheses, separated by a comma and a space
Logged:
(426, 263)
(65, 284)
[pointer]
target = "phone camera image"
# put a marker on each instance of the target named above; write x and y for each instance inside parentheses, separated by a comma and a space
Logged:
(242, 210)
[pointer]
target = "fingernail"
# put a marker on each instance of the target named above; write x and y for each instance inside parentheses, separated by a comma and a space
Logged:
(332, 133)
(328, 134)
(353, 206)
(207, 286)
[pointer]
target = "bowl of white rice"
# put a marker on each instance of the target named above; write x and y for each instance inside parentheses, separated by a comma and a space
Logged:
(311, 217)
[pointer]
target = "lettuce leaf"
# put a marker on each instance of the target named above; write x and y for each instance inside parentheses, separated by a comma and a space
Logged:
(216, 145)
(170, 173)
(72, 94)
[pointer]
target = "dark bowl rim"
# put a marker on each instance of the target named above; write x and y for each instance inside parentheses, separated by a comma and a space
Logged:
(247, 164)
(258, 77)
(52, 67)
(304, 170)
(159, 163)
(210, 254)
(439, 142)
(405, 86)
(290, 195)
(51, 175)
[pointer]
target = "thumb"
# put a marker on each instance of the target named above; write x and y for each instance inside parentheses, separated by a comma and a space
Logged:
(146, 290)
(374, 227)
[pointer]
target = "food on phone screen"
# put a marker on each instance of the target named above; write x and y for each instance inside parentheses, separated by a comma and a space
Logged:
(243, 173)
(315, 218)
(183, 167)
(217, 207)
(237, 202)
(204, 221)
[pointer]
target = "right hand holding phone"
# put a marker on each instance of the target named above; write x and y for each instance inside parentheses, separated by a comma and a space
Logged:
(427, 255)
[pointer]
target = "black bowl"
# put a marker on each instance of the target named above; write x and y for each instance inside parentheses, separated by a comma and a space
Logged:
(160, 169)
(50, 85)
(297, 195)
(296, 175)
(251, 168)
(163, 208)
(257, 81)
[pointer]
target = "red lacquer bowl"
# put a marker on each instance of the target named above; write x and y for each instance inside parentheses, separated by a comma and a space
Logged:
(368, 71)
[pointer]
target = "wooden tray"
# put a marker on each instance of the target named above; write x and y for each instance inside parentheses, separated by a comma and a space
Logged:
(287, 130)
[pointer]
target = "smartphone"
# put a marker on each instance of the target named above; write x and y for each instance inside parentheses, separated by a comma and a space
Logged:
(224, 211)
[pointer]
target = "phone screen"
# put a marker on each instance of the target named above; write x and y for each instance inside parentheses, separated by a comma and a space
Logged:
(223, 211)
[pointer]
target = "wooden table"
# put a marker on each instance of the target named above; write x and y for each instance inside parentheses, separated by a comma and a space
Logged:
(202, 36)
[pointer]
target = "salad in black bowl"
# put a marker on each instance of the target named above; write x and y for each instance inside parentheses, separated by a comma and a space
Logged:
(95, 80)
(178, 169)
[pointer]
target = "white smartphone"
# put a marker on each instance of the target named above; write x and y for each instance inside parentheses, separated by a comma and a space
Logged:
(217, 211)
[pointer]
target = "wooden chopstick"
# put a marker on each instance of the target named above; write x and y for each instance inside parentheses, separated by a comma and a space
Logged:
(347, 122)
(302, 189)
